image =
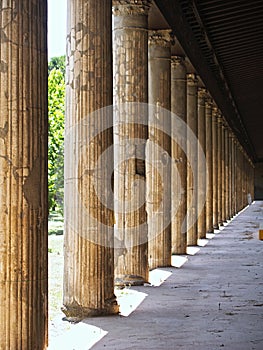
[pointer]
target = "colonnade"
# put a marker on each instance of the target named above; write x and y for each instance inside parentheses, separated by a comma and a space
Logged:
(110, 235)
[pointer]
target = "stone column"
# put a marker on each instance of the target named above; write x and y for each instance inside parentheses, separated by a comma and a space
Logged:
(201, 173)
(234, 174)
(238, 184)
(232, 166)
(230, 173)
(215, 166)
(179, 171)
(231, 187)
(237, 177)
(227, 170)
(89, 255)
(244, 177)
(23, 168)
(209, 163)
(130, 62)
(223, 172)
(252, 181)
(192, 155)
(219, 168)
(158, 169)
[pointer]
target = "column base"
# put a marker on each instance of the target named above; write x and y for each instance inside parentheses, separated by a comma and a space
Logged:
(129, 280)
(202, 235)
(179, 251)
(192, 243)
(76, 313)
(155, 266)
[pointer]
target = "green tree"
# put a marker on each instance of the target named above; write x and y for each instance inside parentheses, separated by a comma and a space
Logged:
(56, 112)
(57, 63)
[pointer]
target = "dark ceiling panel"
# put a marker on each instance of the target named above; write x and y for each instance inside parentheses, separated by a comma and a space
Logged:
(227, 37)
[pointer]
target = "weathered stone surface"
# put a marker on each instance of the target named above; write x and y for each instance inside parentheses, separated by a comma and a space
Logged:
(89, 240)
(23, 175)
(201, 179)
(130, 71)
(192, 171)
(179, 170)
(215, 166)
(158, 166)
(209, 164)
(223, 173)
(219, 169)
(227, 174)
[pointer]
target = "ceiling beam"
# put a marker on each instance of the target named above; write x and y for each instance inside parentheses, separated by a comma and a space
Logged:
(175, 17)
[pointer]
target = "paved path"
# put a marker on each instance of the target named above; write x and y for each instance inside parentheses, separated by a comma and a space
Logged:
(215, 301)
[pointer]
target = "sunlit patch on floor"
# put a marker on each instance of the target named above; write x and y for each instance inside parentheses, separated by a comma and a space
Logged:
(192, 250)
(202, 242)
(78, 336)
(129, 300)
(178, 261)
(210, 235)
(157, 277)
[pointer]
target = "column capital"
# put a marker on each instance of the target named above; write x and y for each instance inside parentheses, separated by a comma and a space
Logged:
(208, 101)
(231, 135)
(192, 79)
(177, 61)
(219, 117)
(224, 123)
(162, 37)
(202, 93)
(131, 7)
(227, 126)
(215, 109)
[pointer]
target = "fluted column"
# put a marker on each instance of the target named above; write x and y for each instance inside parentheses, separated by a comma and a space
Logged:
(130, 62)
(23, 172)
(215, 165)
(244, 171)
(209, 163)
(227, 174)
(201, 172)
(243, 177)
(223, 172)
(89, 255)
(193, 155)
(179, 171)
(235, 174)
(158, 168)
(237, 178)
(219, 168)
(240, 179)
(230, 173)
(252, 179)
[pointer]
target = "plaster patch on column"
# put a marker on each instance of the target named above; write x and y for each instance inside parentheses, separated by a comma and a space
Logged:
(3, 67)
(3, 37)
(31, 186)
(4, 131)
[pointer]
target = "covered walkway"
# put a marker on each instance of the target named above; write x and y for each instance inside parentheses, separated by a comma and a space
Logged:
(214, 301)
(141, 183)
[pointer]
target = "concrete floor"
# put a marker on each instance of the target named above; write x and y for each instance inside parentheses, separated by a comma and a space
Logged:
(214, 301)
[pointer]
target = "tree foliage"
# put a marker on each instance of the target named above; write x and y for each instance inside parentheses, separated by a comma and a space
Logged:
(56, 113)
(57, 63)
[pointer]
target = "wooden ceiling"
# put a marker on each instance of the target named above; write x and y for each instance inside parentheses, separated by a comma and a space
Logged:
(224, 42)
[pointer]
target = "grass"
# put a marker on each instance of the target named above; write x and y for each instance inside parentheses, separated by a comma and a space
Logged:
(55, 264)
